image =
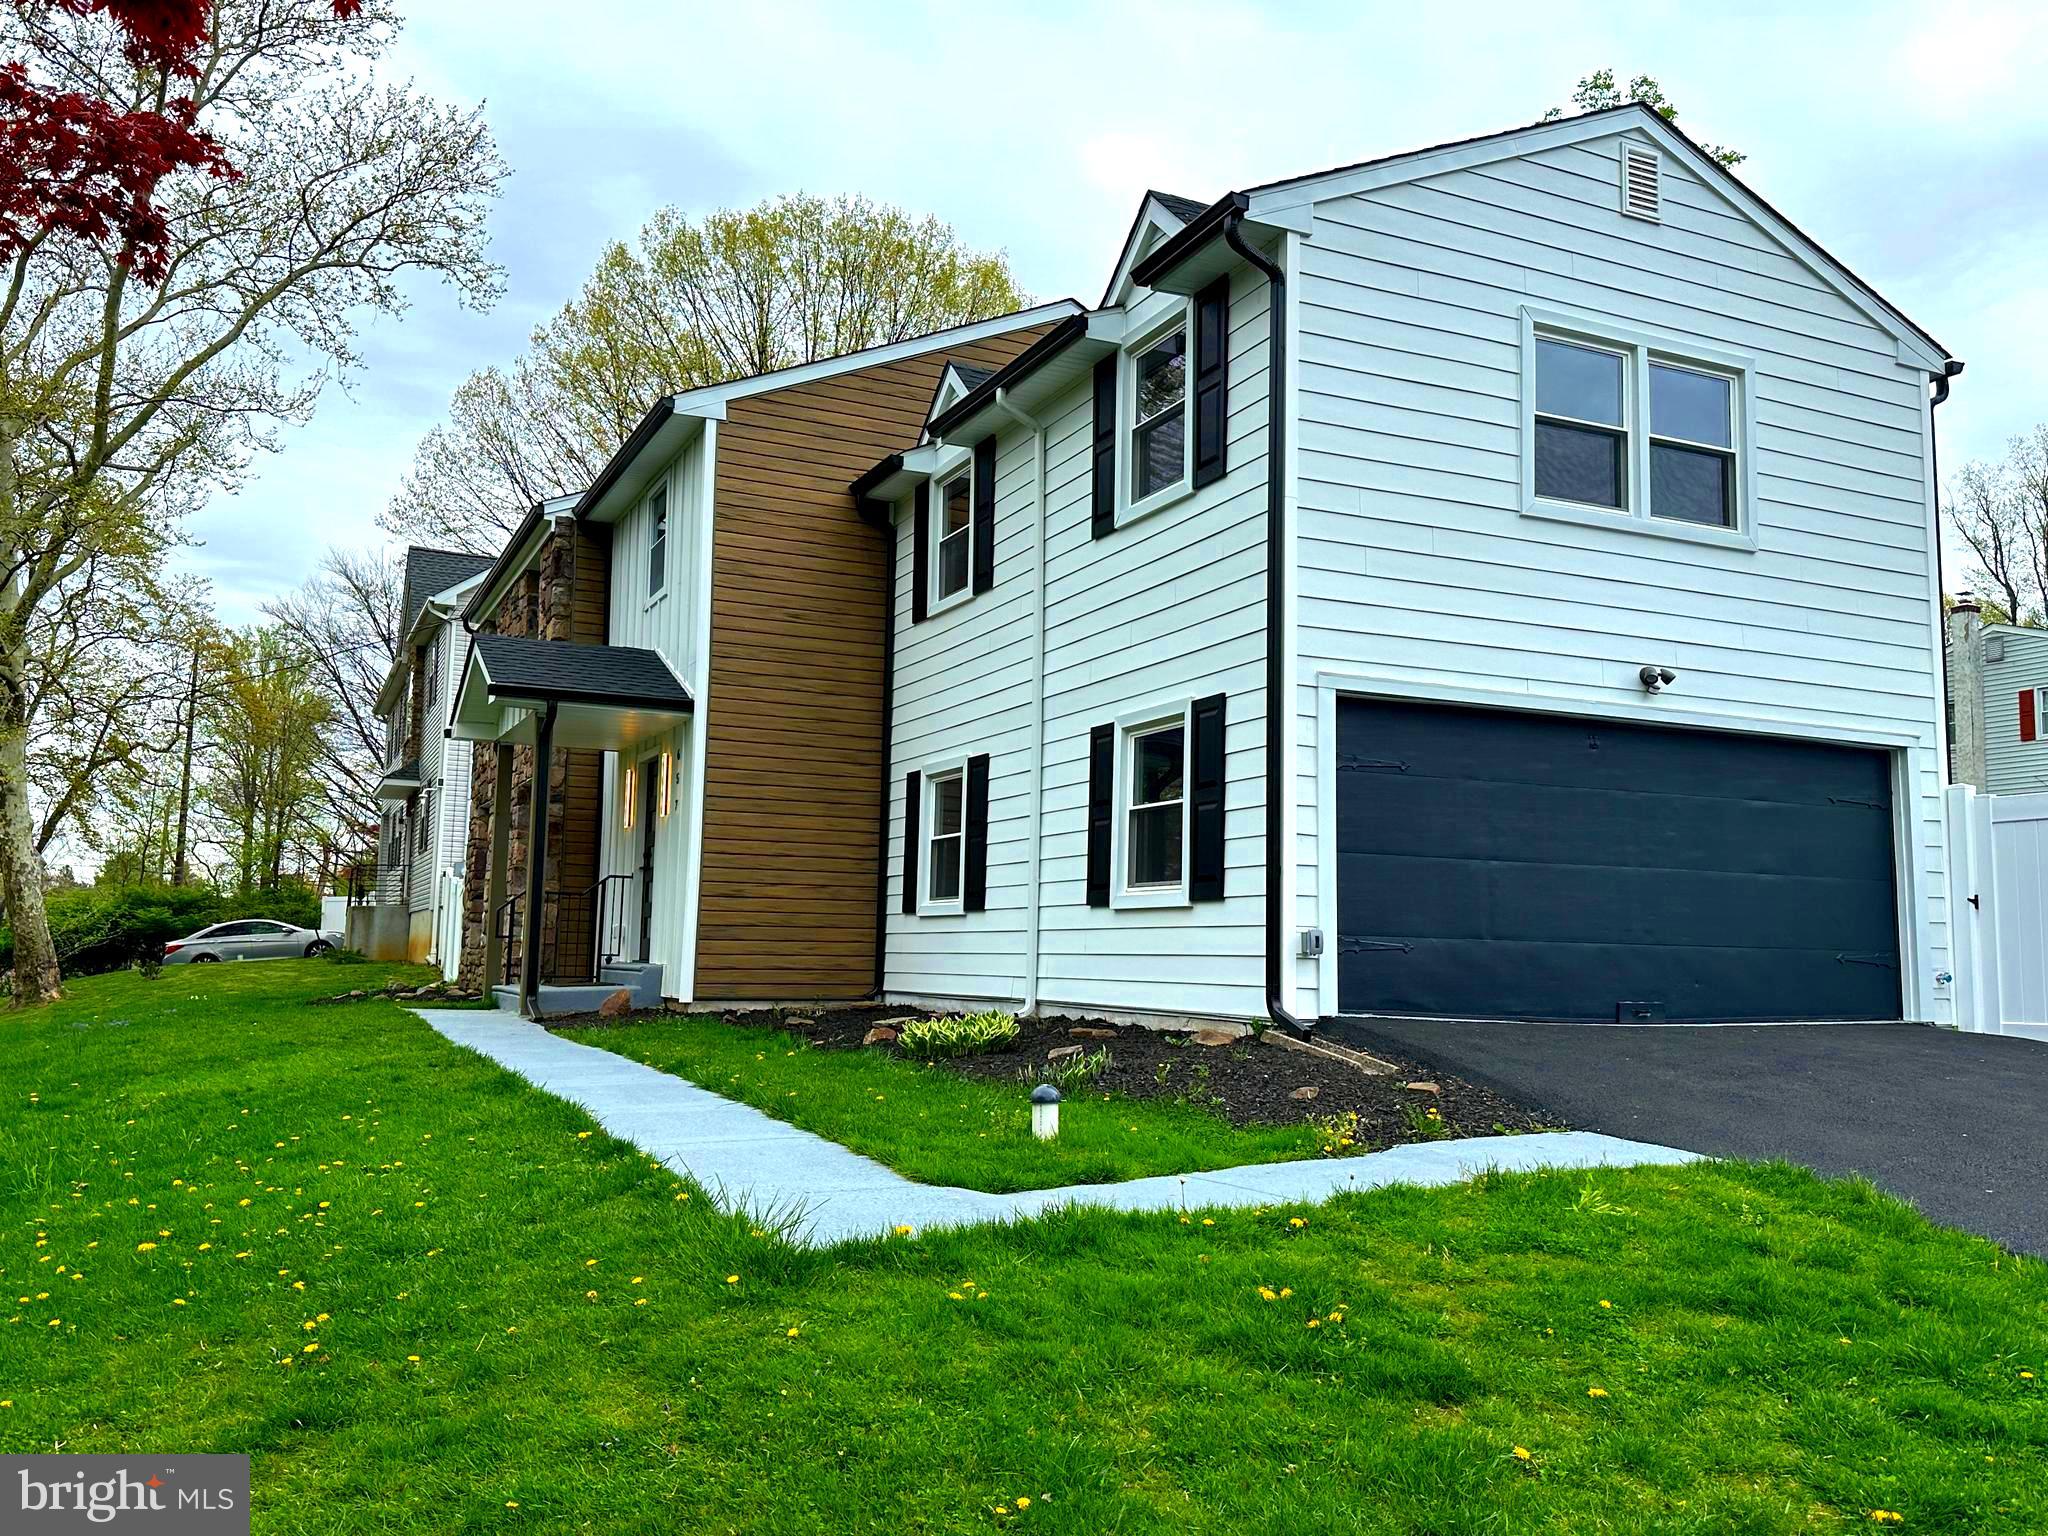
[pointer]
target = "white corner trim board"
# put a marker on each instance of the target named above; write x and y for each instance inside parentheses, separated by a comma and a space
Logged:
(750, 1162)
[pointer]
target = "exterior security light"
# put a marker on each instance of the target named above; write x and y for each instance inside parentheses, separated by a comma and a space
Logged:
(1045, 1112)
(1657, 679)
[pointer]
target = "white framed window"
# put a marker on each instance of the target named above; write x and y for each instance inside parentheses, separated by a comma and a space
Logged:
(657, 540)
(1151, 833)
(944, 820)
(953, 533)
(431, 660)
(1624, 429)
(1158, 438)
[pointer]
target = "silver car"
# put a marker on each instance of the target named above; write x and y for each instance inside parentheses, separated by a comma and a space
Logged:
(249, 938)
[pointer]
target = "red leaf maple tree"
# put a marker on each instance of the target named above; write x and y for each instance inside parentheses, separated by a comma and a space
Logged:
(74, 164)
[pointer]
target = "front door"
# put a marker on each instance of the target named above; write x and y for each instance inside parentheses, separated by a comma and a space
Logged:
(647, 802)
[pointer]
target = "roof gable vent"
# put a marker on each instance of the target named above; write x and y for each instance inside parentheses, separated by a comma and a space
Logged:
(1641, 191)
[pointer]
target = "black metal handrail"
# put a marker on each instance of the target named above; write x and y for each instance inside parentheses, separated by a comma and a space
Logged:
(581, 932)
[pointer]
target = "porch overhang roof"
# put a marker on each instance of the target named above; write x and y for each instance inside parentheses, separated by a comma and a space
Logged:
(398, 783)
(605, 697)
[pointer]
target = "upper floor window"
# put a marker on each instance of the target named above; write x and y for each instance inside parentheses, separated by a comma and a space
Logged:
(657, 539)
(430, 655)
(955, 514)
(1156, 815)
(1159, 414)
(1619, 423)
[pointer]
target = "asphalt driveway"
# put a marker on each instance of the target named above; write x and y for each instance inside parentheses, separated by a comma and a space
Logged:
(1957, 1124)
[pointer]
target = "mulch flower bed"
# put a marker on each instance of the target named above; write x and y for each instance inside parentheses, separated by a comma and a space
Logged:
(1246, 1080)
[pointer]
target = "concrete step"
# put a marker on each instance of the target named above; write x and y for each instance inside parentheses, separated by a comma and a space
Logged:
(640, 977)
(643, 981)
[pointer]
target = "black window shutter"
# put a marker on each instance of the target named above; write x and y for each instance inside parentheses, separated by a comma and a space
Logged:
(921, 554)
(913, 795)
(1102, 509)
(984, 514)
(975, 896)
(1212, 379)
(1205, 802)
(1101, 787)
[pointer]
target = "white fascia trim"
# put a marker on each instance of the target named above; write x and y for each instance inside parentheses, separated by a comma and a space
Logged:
(1276, 203)
(1152, 215)
(709, 402)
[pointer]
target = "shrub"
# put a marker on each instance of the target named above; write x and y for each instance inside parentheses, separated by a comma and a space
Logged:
(111, 927)
(957, 1035)
(1074, 1073)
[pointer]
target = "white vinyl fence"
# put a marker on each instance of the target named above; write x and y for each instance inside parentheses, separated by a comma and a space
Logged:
(1998, 890)
(448, 924)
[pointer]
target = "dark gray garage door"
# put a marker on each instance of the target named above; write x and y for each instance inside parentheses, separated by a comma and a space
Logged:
(1492, 863)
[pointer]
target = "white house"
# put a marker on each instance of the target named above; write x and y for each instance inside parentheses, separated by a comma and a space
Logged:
(424, 789)
(1594, 573)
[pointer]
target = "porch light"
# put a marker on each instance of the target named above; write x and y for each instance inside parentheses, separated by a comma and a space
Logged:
(1045, 1112)
(629, 797)
(666, 792)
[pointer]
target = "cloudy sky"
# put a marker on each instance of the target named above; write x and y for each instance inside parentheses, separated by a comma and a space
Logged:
(1910, 140)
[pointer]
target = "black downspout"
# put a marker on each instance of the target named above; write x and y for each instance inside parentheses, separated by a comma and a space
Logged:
(536, 863)
(1279, 692)
(887, 524)
(1949, 370)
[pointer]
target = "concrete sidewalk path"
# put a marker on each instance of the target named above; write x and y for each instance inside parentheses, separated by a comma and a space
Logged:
(752, 1162)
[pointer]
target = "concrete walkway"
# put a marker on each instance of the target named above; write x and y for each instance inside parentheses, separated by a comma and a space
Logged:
(825, 1193)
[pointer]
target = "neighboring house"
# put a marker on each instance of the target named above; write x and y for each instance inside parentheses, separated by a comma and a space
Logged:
(1571, 505)
(424, 790)
(1998, 703)
(698, 642)
(1595, 576)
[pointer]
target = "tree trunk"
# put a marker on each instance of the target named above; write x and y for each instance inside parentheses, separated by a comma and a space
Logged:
(179, 868)
(36, 976)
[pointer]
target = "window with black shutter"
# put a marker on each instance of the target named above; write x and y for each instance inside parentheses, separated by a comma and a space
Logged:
(920, 558)
(913, 802)
(1212, 382)
(1101, 810)
(1102, 455)
(975, 896)
(1205, 800)
(984, 538)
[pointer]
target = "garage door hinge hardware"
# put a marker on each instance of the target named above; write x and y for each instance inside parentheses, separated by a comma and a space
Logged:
(1868, 805)
(1886, 962)
(1369, 946)
(1370, 765)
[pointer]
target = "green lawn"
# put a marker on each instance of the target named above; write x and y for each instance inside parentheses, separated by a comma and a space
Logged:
(428, 1298)
(933, 1125)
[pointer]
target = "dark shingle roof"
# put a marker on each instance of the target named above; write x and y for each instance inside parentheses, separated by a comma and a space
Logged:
(971, 375)
(522, 668)
(1182, 208)
(428, 571)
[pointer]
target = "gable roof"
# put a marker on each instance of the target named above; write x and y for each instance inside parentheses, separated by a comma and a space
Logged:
(1409, 164)
(430, 571)
(1182, 208)
(523, 669)
(1164, 211)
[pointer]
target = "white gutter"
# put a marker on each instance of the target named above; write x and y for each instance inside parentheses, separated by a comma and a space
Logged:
(1029, 1005)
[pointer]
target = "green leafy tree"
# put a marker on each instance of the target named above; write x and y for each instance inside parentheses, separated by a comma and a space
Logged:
(690, 303)
(2000, 512)
(1600, 90)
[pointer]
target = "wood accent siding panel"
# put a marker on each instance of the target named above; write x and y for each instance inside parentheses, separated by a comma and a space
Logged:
(794, 714)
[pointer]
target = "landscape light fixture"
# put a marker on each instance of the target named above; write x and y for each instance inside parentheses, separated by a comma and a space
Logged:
(1045, 1111)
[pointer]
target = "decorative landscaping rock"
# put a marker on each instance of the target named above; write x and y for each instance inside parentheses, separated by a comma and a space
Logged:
(617, 1005)
(799, 1022)
(1090, 1032)
(881, 1034)
(1213, 1037)
(1308, 1092)
(1422, 1088)
(1064, 1052)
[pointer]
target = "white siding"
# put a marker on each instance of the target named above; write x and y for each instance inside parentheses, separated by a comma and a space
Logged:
(2012, 766)
(1167, 609)
(666, 623)
(1419, 573)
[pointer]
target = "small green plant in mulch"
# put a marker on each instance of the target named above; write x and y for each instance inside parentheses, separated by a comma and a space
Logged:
(962, 1034)
(1425, 1122)
(150, 967)
(1338, 1135)
(1074, 1073)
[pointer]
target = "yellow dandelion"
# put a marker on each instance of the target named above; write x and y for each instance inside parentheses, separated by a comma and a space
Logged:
(1521, 1453)
(583, 1135)
(955, 1296)
(791, 1334)
(1269, 1293)
(311, 1347)
(1297, 1221)
(1023, 1501)
(638, 1301)
(298, 1285)
(415, 1359)
(1286, 1291)
(590, 1295)
(1606, 1303)
(1315, 1322)
(511, 1503)
(1596, 1391)
(587, 1263)
(145, 1247)
(1887, 1517)
(1208, 1221)
(204, 1246)
(904, 1229)
(177, 1301)
(732, 1279)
